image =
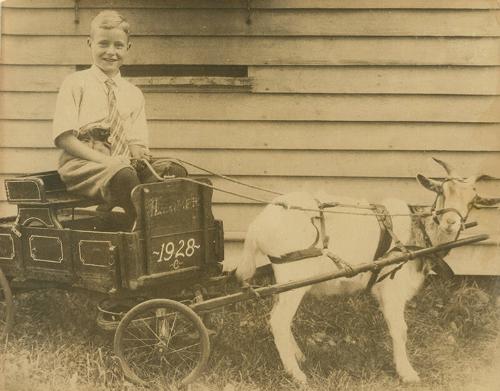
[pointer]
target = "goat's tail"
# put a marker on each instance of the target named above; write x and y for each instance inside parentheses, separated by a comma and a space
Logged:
(246, 268)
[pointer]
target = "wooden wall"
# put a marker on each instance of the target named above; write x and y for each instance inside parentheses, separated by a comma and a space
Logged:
(350, 96)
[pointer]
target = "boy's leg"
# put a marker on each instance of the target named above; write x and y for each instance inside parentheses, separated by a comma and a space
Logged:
(121, 185)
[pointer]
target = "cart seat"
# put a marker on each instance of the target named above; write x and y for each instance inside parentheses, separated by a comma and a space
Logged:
(43, 189)
(39, 196)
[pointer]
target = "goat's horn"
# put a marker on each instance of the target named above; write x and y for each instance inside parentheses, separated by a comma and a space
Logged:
(481, 176)
(449, 170)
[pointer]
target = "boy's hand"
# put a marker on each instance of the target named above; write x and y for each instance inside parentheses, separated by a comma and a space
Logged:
(139, 152)
(111, 160)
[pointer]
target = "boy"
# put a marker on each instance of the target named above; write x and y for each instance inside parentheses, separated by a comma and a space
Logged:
(100, 121)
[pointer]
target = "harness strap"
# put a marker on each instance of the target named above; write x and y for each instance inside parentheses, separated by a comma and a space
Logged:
(387, 236)
(312, 251)
(325, 239)
(319, 234)
(438, 265)
(386, 230)
(384, 241)
(339, 262)
(298, 255)
(392, 273)
(421, 226)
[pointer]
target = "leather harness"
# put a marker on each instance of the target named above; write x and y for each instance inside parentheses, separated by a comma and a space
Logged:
(386, 238)
(312, 251)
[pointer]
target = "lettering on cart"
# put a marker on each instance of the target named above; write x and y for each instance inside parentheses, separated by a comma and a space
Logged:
(165, 206)
(175, 253)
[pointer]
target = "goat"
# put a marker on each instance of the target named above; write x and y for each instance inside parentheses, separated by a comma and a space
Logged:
(279, 230)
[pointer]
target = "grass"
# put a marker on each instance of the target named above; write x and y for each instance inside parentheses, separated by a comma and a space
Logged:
(453, 342)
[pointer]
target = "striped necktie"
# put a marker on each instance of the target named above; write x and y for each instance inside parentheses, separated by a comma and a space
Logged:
(119, 146)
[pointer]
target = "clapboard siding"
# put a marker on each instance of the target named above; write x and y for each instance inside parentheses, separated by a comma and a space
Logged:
(69, 50)
(377, 80)
(32, 78)
(286, 135)
(271, 4)
(393, 164)
(276, 107)
(352, 97)
(232, 22)
(431, 80)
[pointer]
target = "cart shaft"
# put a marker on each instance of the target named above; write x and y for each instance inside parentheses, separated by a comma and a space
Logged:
(247, 294)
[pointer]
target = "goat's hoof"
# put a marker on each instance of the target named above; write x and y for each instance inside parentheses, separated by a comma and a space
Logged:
(411, 377)
(299, 376)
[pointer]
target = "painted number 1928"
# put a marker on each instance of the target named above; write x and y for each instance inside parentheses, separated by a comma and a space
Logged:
(175, 253)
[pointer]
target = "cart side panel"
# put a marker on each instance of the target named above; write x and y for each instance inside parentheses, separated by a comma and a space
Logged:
(11, 260)
(96, 257)
(132, 264)
(47, 254)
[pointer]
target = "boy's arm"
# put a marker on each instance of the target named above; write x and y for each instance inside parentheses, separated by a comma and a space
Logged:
(67, 108)
(75, 147)
(65, 123)
(138, 137)
(139, 152)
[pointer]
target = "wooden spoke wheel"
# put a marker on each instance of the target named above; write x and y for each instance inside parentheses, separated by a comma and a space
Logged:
(6, 306)
(162, 341)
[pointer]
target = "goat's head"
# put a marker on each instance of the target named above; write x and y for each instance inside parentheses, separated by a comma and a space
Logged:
(455, 198)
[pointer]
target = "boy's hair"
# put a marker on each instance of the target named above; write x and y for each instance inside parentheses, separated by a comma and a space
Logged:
(108, 20)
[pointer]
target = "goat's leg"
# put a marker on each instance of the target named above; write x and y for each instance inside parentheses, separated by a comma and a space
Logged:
(298, 352)
(392, 298)
(282, 315)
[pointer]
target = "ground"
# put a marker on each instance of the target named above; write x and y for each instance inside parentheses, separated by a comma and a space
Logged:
(454, 343)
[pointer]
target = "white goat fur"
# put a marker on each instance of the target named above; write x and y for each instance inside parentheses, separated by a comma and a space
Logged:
(277, 231)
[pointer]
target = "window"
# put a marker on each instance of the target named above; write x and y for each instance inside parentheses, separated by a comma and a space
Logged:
(187, 78)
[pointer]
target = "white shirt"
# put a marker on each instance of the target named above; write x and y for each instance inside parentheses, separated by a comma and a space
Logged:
(83, 99)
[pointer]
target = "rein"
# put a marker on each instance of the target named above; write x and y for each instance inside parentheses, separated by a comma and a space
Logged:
(320, 209)
(387, 235)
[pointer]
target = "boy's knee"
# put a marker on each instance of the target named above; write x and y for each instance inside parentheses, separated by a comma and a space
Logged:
(125, 179)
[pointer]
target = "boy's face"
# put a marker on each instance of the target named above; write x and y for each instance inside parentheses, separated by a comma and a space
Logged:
(109, 48)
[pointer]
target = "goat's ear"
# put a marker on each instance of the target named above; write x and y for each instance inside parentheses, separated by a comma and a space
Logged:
(481, 202)
(430, 184)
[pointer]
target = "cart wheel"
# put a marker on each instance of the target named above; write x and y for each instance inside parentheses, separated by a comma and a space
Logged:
(6, 306)
(162, 340)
